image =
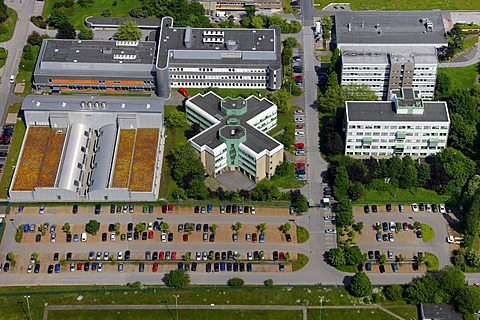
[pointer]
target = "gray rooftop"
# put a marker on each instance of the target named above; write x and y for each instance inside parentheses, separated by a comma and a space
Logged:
(256, 140)
(439, 311)
(384, 111)
(389, 27)
(382, 54)
(217, 46)
(92, 103)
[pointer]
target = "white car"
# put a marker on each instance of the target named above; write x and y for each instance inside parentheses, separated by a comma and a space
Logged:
(106, 255)
(150, 226)
(249, 256)
(164, 237)
(30, 267)
(330, 231)
(442, 208)
(53, 238)
(298, 112)
(84, 236)
(112, 236)
(428, 207)
(199, 256)
(450, 239)
(205, 256)
(331, 218)
(120, 255)
(252, 210)
(299, 133)
(392, 226)
(100, 267)
(414, 207)
(298, 120)
(72, 266)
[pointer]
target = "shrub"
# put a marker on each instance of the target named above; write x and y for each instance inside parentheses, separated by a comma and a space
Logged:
(236, 282)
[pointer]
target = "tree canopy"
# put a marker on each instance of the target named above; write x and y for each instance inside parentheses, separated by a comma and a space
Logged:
(177, 278)
(128, 30)
(361, 286)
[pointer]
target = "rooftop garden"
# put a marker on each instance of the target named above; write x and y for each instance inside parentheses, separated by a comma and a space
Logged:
(144, 157)
(124, 158)
(48, 171)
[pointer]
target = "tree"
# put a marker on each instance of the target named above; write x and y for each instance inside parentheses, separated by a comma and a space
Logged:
(287, 256)
(360, 227)
(11, 258)
(443, 84)
(361, 286)
(300, 203)
(342, 183)
(286, 227)
(467, 300)
(473, 258)
(393, 292)
(92, 227)
(237, 226)
(282, 99)
(356, 191)
(175, 118)
(85, 3)
(327, 23)
(66, 227)
(451, 279)
(34, 39)
(457, 36)
(66, 31)
(423, 290)
(336, 257)
(353, 256)
(140, 227)
(235, 282)
(57, 17)
(164, 226)
(262, 227)
(268, 283)
(106, 13)
(128, 30)
(257, 22)
(177, 279)
(344, 213)
(186, 256)
(458, 167)
(472, 186)
(85, 34)
(290, 42)
(213, 228)
(117, 226)
(250, 11)
(383, 259)
(462, 133)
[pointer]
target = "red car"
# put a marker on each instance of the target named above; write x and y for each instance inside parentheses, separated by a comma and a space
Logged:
(254, 237)
(299, 145)
(185, 237)
(300, 164)
(299, 126)
(170, 208)
(155, 267)
(79, 266)
(164, 208)
(150, 235)
(174, 255)
(183, 92)
(161, 255)
(234, 208)
(297, 78)
(281, 256)
(405, 226)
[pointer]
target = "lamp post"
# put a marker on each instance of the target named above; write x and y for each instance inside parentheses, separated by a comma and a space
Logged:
(176, 303)
(11, 220)
(321, 305)
(28, 307)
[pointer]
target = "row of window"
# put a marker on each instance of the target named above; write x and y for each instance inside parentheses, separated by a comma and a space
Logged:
(396, 127)
(386, 68)
(390, 147)
(221, 77)
(223, 70)
(393, 140)
(413, 154)
(218, 84)
(425, 134)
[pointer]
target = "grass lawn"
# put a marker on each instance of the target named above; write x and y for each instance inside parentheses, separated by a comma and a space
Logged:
(283, 119)
(405, 311)
(302, 234)
(12, 157)
(13, 303)
(400, 196)
(407, 4)
(233, 93)
(171, 314)
(10, 24)
(79, 13)
(289, 181)
(432, 261)
(427, 232)
(174, 138)
(26, 76)
(370, 314)
(461, 78)
(300, 262)
(3, 57)
(287, 8)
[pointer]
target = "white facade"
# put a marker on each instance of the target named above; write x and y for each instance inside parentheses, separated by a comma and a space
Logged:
(373, 129)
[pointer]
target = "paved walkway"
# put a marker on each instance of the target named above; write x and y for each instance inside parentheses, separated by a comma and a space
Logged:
(302, 308)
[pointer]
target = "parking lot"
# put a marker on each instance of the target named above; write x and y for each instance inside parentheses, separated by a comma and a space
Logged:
(179, 245)
(406, 242)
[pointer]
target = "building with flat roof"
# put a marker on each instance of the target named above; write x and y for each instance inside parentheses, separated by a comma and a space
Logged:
(234, 134)
(212, 6)
(438, 311)
(95, 148)
(223, 58)
(388, 50)
(404, 125)
(182, 57)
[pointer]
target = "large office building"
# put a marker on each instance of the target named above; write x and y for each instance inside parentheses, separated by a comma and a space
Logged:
(212, 6)
(390, 50)
(96, 148)
(181, 57)
(404, 125)
(234, 135)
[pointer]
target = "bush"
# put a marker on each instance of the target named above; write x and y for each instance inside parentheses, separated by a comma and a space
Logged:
(361, 285)
(19, 234)
(177, 279)
(268, 283)
(235, 282)
(393, 292)
(39, 22)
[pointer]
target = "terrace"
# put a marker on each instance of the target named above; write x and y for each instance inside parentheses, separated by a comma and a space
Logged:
(144, 158)
(32, 158)
(123, 159)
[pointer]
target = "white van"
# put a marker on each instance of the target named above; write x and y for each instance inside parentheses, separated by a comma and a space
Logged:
(12, 78)
(84, 236)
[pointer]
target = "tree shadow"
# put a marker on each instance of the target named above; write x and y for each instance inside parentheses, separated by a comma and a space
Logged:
(23, 309)
(168, 309)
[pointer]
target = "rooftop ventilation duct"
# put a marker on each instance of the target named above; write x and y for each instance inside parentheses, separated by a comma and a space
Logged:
(187, 39)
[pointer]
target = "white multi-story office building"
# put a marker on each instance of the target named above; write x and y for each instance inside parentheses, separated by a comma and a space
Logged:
(390, 50)
(234, 134)
(405, 125)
